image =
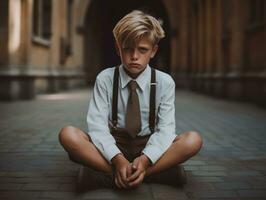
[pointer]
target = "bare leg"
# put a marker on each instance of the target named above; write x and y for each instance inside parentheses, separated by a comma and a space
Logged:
(79, 146)
(185, 146)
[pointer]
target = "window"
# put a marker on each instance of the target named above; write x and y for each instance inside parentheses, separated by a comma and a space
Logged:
(42, 15)
(65, 42)
(69, 26)
(257, 12)
(226, 12)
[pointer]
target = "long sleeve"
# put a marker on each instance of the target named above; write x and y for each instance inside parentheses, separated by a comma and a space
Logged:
(97, 120)
(164, 134)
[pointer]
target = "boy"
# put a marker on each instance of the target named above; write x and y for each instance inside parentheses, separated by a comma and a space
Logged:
(131, 116)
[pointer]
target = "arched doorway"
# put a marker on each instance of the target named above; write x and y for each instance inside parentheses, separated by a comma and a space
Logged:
(100, 19)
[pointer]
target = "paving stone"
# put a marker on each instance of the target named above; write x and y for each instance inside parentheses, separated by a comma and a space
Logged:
(4, 180)
(218, 199)
(69, 187)
(2, 174)
(252, 193)
(58, 195)
(258, 184)
(231, 164)
(142, 192)
(40, 187)
(6, 195)
(232, 185)
(212, 168)
(207, 179)
(167, 192)
(244, 173)
(195, 162)
(23, 174)
(214, 194)
(10, 186)
(209, 173)
(198, 186)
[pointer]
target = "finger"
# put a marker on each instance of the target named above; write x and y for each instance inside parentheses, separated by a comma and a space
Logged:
(135, 175)
(121, 182)
(134, 167)
(116, 183)
(135, 164)
(123, 175)
(118, 179)
(138, 181)
(129, 170)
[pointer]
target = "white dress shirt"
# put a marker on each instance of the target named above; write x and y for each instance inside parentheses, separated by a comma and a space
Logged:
(100, 111)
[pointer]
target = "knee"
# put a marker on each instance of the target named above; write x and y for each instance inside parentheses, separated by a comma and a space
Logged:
(67, 135)
(194, 142)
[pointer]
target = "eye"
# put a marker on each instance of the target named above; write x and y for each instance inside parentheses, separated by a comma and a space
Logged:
(143, 50)
(127, 49)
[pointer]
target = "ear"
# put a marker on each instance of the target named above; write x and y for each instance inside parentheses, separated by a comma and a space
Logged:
(154, 50)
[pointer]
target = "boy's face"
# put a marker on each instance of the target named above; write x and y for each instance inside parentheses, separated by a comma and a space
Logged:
(135, 58)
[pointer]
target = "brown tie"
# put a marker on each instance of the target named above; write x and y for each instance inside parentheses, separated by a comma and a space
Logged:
(133, 118)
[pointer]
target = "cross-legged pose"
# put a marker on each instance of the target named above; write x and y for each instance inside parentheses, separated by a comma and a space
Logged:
(131, 116)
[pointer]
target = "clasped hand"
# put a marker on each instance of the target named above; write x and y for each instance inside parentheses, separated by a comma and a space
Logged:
(130, 175)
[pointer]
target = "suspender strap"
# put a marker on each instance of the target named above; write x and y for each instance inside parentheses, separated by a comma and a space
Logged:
(115, 97)
(152, 100)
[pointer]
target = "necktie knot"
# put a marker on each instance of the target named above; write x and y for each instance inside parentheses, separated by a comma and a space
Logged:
(133, 85)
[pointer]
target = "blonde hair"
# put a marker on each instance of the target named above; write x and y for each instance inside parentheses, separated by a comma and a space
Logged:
(136, 25)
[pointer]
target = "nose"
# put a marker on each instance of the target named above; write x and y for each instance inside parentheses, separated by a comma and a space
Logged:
(134, 55)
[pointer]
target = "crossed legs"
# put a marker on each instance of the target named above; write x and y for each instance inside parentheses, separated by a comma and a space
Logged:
(79, 146)
(81, 149)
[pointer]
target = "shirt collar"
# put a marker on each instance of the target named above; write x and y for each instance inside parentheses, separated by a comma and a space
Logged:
(141, 80)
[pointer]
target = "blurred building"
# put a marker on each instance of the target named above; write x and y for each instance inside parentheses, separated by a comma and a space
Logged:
(216, 47)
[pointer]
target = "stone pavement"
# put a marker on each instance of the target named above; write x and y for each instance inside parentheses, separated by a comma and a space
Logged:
(230, 166)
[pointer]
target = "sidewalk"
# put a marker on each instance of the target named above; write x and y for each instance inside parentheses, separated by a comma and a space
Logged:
(230, 166)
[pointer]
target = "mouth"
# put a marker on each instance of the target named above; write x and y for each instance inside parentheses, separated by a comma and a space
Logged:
(134, 65)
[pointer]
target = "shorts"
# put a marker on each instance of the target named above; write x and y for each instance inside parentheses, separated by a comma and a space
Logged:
(130, 147)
